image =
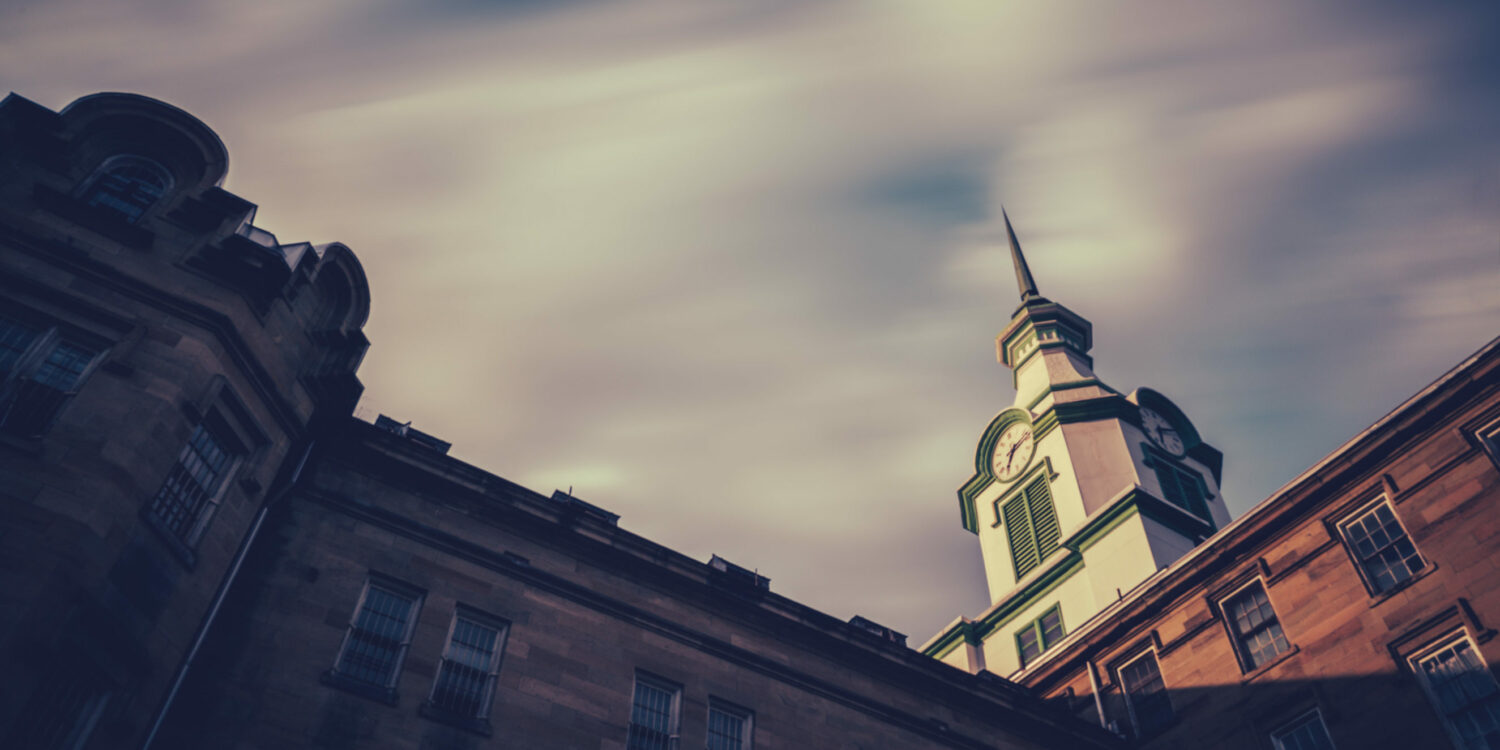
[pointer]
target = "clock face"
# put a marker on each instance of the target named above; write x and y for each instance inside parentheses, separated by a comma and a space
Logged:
(1013, 451)
(1160, 431)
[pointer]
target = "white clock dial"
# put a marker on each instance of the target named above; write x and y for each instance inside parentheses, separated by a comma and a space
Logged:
(1160, 431)
(1013, 451)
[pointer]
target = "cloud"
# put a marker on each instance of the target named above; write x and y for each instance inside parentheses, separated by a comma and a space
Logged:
(734, 270)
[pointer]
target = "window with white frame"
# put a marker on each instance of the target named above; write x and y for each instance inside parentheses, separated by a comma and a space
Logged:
(653, 715)
(728, 726)
(193, 488)
(1463, 689)
(40, 369)
(128, 185)
(1381, 547)
(1145, 695)
(1307, 732)
(1252, 622)
(379, 634)
(465, 684)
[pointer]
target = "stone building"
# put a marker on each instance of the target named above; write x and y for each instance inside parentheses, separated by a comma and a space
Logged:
(203, 548)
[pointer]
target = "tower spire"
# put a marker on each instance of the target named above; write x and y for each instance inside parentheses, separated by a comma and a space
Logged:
(1024, 281)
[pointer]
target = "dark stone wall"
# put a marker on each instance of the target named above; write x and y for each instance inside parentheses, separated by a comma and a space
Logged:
(588, 606)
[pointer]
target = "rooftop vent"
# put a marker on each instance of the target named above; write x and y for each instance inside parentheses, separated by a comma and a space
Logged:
(735, 575)
(583, 508)
(404, 429)
(876, 629)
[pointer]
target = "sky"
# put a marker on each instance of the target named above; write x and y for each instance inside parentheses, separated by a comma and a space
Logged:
(733, 269)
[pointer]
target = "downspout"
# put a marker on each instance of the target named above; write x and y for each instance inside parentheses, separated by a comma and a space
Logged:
(223, 593)
(1098, 699)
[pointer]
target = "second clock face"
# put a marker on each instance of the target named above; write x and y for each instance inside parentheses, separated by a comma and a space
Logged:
(1160, 431)
(1013, 451)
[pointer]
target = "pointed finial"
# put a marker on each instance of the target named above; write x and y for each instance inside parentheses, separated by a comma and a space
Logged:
(1023, 272)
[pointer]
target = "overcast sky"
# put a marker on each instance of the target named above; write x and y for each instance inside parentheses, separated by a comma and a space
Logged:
(732, 269)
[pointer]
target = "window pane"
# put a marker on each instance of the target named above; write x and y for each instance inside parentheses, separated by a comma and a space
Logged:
(466, 675)
(14, 340)
(1305, 734)
(1052, 629)
(191, 487)
(128, 185)
(651, 725)
(1028, 645)
(1466, 694)
(1385, 553)
(726, 729)
(372, 652)
(1255, 626)
(1146, 694)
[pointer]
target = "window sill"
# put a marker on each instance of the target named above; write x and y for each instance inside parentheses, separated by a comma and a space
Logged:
(480, 727)
(384, 695)
(184, 554)
(1380, 598)
(1270, 665)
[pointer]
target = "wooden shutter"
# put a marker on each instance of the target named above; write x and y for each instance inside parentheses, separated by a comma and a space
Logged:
(1031, 526)
(1043, 517)
(1022, 539)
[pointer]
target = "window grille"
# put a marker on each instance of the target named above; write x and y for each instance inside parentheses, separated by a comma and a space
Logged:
(728, 727)
(378, 636)
(1252, 621)
(191, 492)
(1464, 690)
(465, 684)
(1181, 488)
(39, 372)
(1042, 634)
(653, 716)
(128, 185)
(1146, 695)
(1031, 526)
(1384, 552)
(1306, 733)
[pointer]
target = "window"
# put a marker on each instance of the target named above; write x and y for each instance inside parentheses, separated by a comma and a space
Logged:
(378, 635)
(194, 486)
(465, 683)
(1146, 695)
(1464, 691)
(128, 185)
(1306, 733)
(653, 715)
(1181, 488)
(1040, 635)
(1382, 549)
(64, 710)
(728, 726)
(39, 371)
(1031, 526)
(1253, 625)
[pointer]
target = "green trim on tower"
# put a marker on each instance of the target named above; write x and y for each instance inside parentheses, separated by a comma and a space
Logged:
(984, 470)
(1135, 502)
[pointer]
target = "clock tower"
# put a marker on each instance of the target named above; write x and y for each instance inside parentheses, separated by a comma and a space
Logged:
(1079, 492)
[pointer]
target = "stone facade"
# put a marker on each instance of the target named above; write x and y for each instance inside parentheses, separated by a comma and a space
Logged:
(140, 311)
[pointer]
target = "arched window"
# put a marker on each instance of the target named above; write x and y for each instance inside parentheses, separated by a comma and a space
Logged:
(128, 185)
